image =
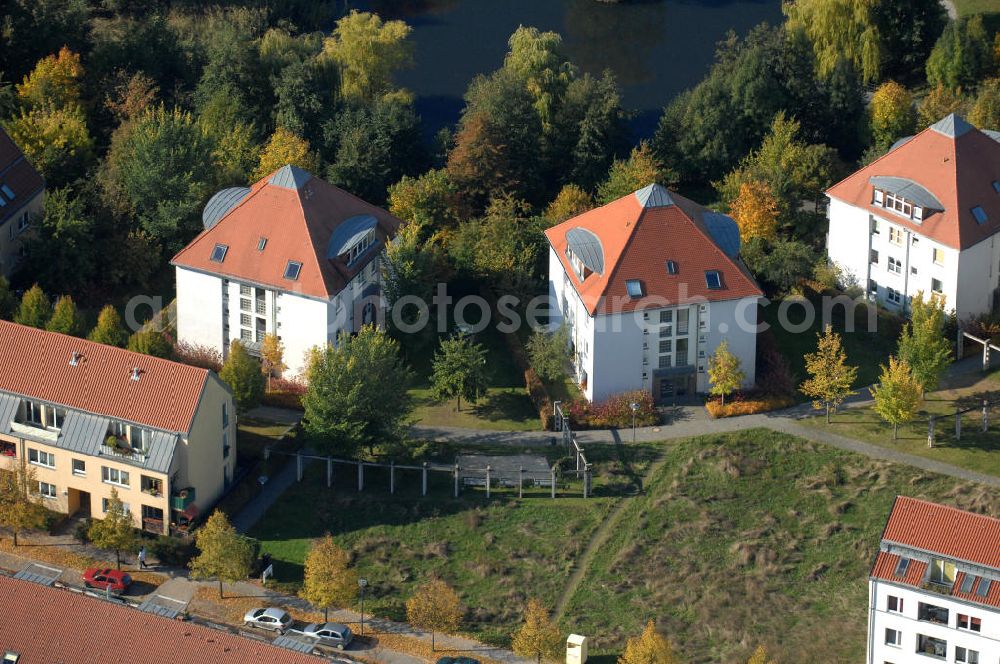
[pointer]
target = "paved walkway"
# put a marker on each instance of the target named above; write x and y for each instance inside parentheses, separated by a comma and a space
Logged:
(276, 485)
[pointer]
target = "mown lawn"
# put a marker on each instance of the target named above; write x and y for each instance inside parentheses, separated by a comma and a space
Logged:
(747, 538)
(970, 7)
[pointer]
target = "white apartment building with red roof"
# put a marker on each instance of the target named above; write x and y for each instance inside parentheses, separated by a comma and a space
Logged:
(292, 256)
(934, 588)
(649, 285)
(925, 217)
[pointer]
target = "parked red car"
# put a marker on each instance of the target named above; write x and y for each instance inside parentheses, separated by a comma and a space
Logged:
(103, 579)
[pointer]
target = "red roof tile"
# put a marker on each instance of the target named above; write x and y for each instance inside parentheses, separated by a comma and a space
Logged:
(17, 173)
(298, 224)
(637, 241)
(947, 531)
(885, 569)
(35, 364)
(45, 624)
(958, 169)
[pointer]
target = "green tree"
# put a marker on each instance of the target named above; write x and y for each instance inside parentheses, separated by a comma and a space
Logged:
(897, 394)
(20, 508)
(369, 52)
(8, 302)
(272, 357)
(55, 140)
(435, 606)
(538, 636)
(641, 169)
(35, 309)
(328, 580)
(839, 28)
(830, 377)
(941, 102)
(222, 552)
(907, 32)
(648, 648)
(410, 268)
(65, 318)
(549, 353)
(962, 55)
(431, 200)
(54, 82)
(985, 112)
(63, 249)
(151, 342)
(306, 91)
(782, 264)
(344, 408)
(570, 202)
(892, 114)
(537, 59)
(755, 211)
(109, 329)
(923, 344)
(242, 373)
(283, 148)
(115, 531)
(724, 372)
(459, 370)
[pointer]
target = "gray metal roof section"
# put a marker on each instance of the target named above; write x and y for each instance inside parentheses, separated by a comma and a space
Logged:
(163, 606)
(221, 203)
(587, 247)
(348, 233)
(908, 189)
(901, 142)
(292, 643)
(161, 451)
(724, 231)
(83, 433)
(8, 409)
(995, 135)
(654, 196)
(951, 125)
(290, 177)
(41, 574)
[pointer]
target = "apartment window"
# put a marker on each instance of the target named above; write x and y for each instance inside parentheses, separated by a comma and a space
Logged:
(872, 286)
(40, 458)
(980, 215)
(966, 656)
(246, 336)
(245, 304)
(245, 320)
(22, 223)
(938, 256)
(140, 438)
(666, 345)
(219, 253)
(682, 321)
(682, 352)
(894, 295)
(894, 604)
(106, 505)
(914, 240)
(897, 204)
(713, 279)
(225, 445)
(292, 270)
(895, 235)
(361, 247)
(58, 417)
(928, 645)
(633, 287)
(664, 362)
(79, 467)
(893, 637)
(969, 623)
(47, 490)
(874, 225)
(879, 197)
(33, 412)
(902, 567)
(936, 286)
(942, 572)
(873, 257)
(932, 613)
(671, 267)
(245, 290)
(667, 316)
(913, 269)
(895, 265)
(114, 476)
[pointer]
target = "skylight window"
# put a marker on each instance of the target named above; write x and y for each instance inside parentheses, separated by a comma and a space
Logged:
(984, 586)
(967, 582)
(7, 192)
(292, 270)
(261, 243)
(634, 287)
(980, 215)
(996, 186)
(902, 566)
(3, 202)
(671, 267)
(219, 253)
(713, 280)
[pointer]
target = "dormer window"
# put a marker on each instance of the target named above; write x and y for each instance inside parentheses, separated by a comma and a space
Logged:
(898, 205)
(292, 270)
(219, 253)
(581, 270)
(361, 247)
(671, 267)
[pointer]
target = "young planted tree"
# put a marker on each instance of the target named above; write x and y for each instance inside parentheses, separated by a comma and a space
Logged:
(831, 378)
(242, 373)
(538, 636)
(648, 648)
(641, 169)
(549, 353)
(35, 309)
(272, 357)
(434, 606)
(328, 581)
(459, 370)
(115, 530)
(283, 148)
(65, 318)
(109, 329)
(897, 394)
(19, 506)
(724, 372)
(223, 552)
(150, 342)
(756, 211)
(571, 201)
(923, 344)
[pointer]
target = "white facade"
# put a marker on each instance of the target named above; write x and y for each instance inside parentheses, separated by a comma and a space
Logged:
(663, 350)
(893, 263)
(901, 628)
(213, 310)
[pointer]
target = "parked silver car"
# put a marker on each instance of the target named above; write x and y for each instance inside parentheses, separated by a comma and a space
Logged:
(332, 635)
(274, 619)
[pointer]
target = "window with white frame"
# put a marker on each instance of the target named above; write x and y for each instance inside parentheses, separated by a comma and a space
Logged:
(246, 290)
(893, 637)
(894, 604)
(41, 458)
(873, 256)
(114, 476)
(361, 247)
(895, 235)
(895, 265)
(898, 204)
(106, 505)
(969, 622)
(47, 490)
(937, 255)
(33, 412)
(937, 286)
(79, 467)
(966, 655)
(894, 295)
(56, 417)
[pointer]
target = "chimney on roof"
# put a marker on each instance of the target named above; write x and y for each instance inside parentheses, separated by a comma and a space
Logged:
(75, 358)
(136, 372)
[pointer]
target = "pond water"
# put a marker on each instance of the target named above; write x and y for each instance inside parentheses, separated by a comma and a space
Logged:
(656, 48)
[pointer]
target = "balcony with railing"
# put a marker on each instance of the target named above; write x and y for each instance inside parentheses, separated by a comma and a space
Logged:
(119, 448)
(181, 499)
(151, 486)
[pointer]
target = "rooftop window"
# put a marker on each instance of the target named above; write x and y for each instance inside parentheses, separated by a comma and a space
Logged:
(983, 589)
(361, 247)
(219, 253)
(902, 566)
(713, 280)
(7, 191)
(261, 243)
(942, 572)
(634, 288)
(996, 186)
(671, 267)
(292, 270)
(980, 215)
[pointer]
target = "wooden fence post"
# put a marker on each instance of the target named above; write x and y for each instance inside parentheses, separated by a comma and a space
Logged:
(930, 431)
(361, 475)
(456, 480)
(986, 415)
(958, 424)
(488, 481)
(586, 480)
(392, 477)
(423, 488)
(298, 466)
(329, 472)
(520, 482)
(552, 476)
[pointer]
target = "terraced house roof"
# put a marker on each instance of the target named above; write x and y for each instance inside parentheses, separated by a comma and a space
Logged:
(104, 381)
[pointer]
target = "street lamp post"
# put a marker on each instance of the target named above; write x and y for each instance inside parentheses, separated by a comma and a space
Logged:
(635, 407)
(362, 584)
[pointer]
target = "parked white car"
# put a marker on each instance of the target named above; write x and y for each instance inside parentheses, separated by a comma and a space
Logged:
(274, 619)
(332, 635)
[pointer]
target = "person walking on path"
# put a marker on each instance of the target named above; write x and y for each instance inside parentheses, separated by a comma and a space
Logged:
(142, 558)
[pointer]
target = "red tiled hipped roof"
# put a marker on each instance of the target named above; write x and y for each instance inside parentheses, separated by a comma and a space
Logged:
(952, 160)
(36, 364)
(298, 222)
(45, 624)
(884, 569)
(637, 240)
(17, 173)
(943, 530)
